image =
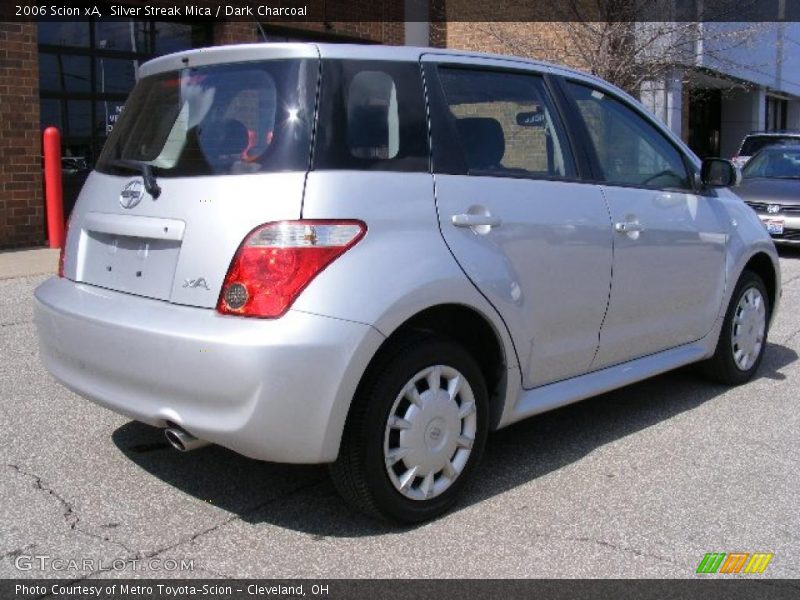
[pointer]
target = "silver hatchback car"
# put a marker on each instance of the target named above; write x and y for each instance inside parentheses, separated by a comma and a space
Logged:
(371, 257)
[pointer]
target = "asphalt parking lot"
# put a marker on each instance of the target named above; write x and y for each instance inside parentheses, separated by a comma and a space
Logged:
(641, 482)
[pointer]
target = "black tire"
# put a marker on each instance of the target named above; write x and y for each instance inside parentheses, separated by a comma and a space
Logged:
(722, 367)
(360, 473)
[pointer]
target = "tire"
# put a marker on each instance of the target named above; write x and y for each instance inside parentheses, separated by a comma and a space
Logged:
(362, 474)
(723, 366)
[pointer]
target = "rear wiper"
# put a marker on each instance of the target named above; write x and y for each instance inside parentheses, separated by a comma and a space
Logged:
(145, 169)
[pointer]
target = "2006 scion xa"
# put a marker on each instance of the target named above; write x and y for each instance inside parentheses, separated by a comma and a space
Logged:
(371, 257)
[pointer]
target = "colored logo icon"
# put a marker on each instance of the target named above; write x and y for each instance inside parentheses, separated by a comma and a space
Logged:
(734, 562)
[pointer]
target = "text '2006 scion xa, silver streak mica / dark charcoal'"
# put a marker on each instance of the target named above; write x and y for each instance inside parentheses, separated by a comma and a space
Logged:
(372, 257)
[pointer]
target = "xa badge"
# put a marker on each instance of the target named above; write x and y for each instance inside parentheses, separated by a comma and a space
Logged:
(131, 194)
(196, 283)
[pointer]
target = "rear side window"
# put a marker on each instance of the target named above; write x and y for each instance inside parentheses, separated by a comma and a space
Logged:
(371, 117)
(629, 149)
(216, 120)
(505, 124)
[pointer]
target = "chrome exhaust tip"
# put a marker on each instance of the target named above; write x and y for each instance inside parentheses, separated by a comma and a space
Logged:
(182, 440)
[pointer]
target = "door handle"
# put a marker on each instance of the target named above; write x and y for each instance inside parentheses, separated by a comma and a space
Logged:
(628, 227)
(472, 220)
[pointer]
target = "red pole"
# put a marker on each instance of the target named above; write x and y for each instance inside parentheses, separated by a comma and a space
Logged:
(53, 191)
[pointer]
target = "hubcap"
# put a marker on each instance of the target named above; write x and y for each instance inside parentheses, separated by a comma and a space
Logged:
(430, 432)
(749, 327)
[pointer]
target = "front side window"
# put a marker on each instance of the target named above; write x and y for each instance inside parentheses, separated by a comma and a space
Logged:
(222, 119)
(505, 124)
(629, 149)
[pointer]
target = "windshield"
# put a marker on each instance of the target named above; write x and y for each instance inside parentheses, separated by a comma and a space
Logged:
(222, 119)
(754, 143)
(783, 163)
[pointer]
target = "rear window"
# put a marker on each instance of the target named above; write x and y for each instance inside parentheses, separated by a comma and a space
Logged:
(754, 143)
(222, 119)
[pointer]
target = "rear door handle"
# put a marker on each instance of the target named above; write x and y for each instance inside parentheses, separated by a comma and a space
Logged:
(471, 220)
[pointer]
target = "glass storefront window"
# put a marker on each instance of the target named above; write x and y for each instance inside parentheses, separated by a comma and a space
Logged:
(114, 75)
(172, 37)
(51, 113)
(65, 33)
(106, 114)
(122, 36)
(64, 73)
(78, 118)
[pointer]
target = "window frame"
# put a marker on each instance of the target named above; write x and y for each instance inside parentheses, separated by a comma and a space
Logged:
(577, 122)
(447, 154)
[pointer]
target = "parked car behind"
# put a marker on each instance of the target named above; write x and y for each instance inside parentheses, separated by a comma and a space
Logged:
(755, 141)
(771, 186)
(372, 256)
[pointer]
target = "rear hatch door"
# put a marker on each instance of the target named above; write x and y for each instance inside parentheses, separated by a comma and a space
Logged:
(228, 146)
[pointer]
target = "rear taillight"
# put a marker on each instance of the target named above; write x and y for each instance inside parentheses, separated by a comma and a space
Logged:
(278, 260)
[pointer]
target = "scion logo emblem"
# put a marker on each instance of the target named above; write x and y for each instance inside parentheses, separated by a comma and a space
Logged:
(773, 209)
(131, 194)
(200, 282)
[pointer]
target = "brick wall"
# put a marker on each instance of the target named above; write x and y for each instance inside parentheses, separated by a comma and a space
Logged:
(540, 41)
(235, 32)
(21, 202)
(390, 33)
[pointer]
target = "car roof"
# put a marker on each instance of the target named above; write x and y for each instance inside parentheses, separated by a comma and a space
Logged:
(266, 51)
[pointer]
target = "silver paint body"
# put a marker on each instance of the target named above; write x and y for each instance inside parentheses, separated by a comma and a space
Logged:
(578, 308)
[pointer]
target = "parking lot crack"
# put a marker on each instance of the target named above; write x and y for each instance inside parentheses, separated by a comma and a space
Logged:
(231, 519)
(71, 517)
(17, 551)
(69, 514)
(792, 335)
(624, 549)
(144, 555)
(786, 282)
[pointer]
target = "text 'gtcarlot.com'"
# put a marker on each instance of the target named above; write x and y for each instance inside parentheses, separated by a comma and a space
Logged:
(43, 562)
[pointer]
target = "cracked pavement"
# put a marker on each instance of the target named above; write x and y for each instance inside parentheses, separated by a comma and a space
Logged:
(640, 482)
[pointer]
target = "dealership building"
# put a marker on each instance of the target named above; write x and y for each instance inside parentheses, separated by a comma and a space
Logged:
(76, 75)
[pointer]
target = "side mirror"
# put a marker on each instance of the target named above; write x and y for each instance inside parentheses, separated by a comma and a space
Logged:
(719, 172)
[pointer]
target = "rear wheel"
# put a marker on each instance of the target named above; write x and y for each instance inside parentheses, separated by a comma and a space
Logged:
(416, 430)
(743, 338)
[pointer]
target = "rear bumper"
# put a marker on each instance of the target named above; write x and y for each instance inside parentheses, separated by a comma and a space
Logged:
(275, 390)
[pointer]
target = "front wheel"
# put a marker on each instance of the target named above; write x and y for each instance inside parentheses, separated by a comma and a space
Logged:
(744, 333)
(415, 433)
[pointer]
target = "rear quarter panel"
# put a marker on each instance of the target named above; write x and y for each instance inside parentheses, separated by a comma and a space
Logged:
(401, 267)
